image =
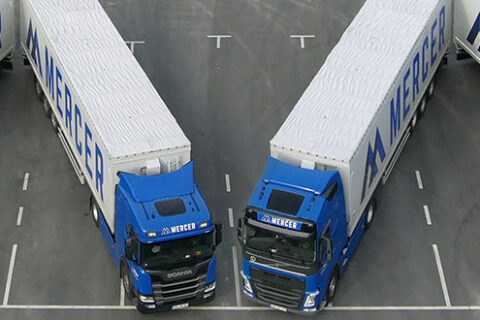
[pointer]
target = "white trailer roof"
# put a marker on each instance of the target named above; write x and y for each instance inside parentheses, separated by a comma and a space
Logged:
(128, 114)
(333, 115)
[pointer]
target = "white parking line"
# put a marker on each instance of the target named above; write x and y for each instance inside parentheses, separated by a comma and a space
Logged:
(25, 181)
(302, 38)
(427, 215)
(227, 183)
(19, 216)
(419, 179)
(235, 273)
(249, 308)
(441, 275)
(122, 294)
(404, 308)
(230, 217)
(10, 274)
(219, 38)
(132, 45)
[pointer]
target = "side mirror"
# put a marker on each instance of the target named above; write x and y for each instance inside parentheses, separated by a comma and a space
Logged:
(239, 229)
(218, 234)
(129, 249)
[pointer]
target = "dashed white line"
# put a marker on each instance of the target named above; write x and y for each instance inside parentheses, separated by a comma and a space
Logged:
(302, 38)
(10, 274)
(227, 183)
(19, 216)
(219, 38)
(122, 294)
(230, 217)
(236, 275)
(419, 179)
(427, 215)
(441, 275)
(25, 181)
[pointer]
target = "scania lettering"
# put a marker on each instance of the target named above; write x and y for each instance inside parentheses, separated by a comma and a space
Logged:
(315, 198)
(466, 29)
(125, 144)
(7, 34)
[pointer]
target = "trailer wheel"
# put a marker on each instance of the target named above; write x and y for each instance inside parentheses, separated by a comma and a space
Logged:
(422, 107)
(94, 210)
(38, 88)
(46, 107)
(431, 89)
(54, 120)
(372, 206)
(332, 285)
(126, 281)
(414, 121)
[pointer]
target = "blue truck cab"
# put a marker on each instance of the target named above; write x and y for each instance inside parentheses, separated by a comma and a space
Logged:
(294, 238)
(164, 241)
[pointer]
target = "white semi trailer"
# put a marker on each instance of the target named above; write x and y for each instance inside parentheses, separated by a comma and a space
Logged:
(7, 33)
(466, 29)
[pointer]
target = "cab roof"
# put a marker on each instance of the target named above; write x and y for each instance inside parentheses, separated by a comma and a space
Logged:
(309, 184)
(146, 194)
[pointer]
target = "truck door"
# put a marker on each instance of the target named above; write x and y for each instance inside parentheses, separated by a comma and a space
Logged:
(326, 250)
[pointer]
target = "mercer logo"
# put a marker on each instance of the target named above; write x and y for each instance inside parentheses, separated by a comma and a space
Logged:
(32, 41)
(472, 36)
(371, 168)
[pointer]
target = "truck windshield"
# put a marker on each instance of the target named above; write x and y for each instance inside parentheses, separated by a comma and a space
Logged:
(177, 253)
(279, 244)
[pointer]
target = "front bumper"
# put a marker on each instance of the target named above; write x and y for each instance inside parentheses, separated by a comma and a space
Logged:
(200, 298)
(312, 312)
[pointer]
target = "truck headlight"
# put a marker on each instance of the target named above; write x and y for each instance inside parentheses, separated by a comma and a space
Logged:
(310, 301)
(210, 287)
(246, 283)
(146, 299)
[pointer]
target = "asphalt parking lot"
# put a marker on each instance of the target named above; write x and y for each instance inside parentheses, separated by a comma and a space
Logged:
(230, 71)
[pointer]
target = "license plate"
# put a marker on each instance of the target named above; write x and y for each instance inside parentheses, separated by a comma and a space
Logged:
(180, 306)
(278, 308)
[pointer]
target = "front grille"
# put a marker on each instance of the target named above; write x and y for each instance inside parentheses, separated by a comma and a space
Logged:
(277, 289)
(180, 291)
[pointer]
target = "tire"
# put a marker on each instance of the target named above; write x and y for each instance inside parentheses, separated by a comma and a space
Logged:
(422, 107)
(370, 213)
(430, 90)
(414, 121)
(54, 121)
(94, 211)
(46, 107)
(332, 285)
(38, 88)
(126, 281)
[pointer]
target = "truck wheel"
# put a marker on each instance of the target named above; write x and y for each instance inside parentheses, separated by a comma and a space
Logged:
(126, 281)
(94, 210)
(370, 213)
(46, 107)
(38, 88)
(332, 285)
(431, 89)
(55, 124)
(422, 107)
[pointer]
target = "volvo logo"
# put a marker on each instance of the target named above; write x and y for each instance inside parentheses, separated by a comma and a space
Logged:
(253, 259)
(178, 274)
